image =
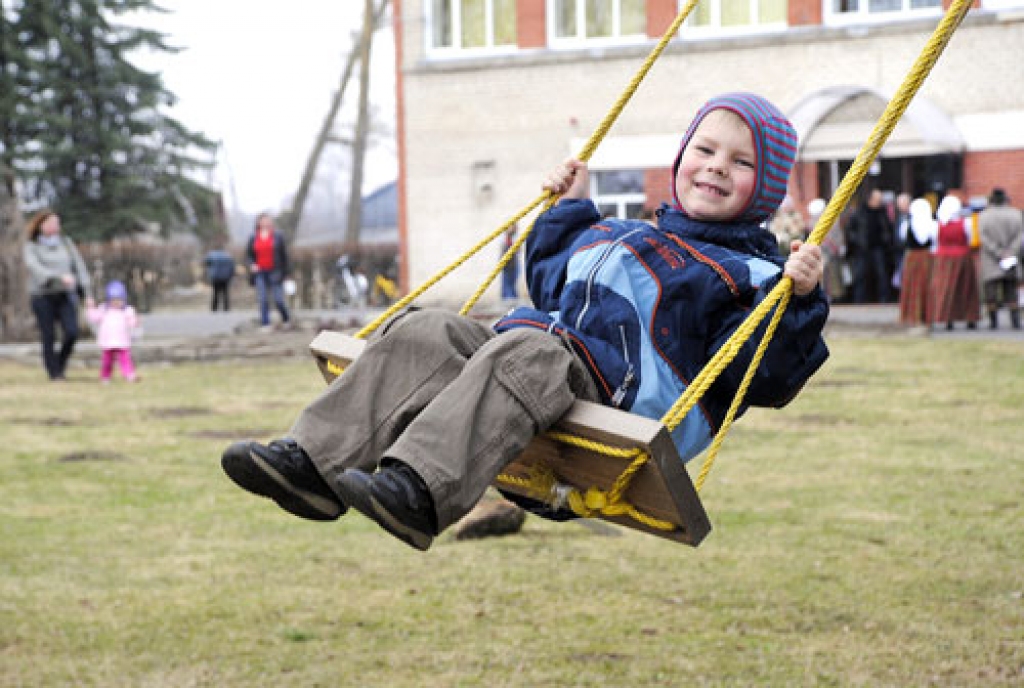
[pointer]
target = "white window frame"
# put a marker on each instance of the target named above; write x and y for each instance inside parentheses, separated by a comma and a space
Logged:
(863, 15)
(715, 29)
(580, 39)
(619, 200)
(1002, 4)
(456, 47)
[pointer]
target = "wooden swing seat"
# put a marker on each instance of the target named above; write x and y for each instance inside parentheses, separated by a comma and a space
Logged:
(661, 489)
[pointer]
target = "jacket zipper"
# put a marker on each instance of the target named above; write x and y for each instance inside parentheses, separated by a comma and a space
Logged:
(627, 381)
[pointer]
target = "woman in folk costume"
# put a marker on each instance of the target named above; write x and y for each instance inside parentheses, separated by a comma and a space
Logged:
(954, 276)
(917, 236)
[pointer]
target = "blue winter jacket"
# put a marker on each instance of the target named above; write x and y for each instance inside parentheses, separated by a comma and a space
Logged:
(645, 308)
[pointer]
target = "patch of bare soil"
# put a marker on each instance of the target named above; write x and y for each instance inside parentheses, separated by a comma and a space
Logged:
(92, 455)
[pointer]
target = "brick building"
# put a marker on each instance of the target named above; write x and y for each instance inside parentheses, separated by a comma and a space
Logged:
(493, 93)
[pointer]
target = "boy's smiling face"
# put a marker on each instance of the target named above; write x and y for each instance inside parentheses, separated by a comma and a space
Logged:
(718, 169)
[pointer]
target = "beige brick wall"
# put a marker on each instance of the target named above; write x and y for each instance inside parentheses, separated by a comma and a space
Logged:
(514, 116)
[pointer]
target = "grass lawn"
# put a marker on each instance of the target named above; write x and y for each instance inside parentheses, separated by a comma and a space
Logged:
(871, 534)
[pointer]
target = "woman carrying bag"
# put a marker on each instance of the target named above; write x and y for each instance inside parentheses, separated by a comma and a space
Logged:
(57, 280)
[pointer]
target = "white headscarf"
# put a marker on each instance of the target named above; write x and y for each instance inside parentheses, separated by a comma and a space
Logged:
(922, 224)
(948, 209)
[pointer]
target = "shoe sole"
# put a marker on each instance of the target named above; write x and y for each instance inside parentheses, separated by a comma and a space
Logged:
(354, 492)
(252, 473)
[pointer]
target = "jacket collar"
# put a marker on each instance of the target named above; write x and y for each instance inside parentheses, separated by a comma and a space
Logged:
(745, 237)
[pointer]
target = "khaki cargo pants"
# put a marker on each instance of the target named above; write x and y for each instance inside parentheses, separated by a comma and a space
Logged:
(446, 395)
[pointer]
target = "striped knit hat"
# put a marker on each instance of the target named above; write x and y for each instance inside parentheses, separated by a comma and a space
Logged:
(775, 144)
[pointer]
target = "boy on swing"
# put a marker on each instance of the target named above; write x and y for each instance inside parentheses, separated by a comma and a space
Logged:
(625, 314)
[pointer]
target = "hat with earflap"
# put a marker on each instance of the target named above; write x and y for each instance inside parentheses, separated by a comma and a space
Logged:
(116, 290)
(775, 144)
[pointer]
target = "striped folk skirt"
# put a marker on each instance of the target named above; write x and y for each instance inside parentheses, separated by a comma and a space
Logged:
(955, 290)
(915, 288)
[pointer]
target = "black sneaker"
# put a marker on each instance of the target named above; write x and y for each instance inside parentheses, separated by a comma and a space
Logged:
(396, 498)
(282, 471)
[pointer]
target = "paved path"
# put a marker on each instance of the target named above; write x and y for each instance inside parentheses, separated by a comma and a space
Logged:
(182, 334)
(194, 323)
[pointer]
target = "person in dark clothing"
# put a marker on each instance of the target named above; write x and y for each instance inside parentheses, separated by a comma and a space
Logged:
(220, 268)
(268, 265)
(869, 240)
(900, 227)
(1001, 229)
(510, 274)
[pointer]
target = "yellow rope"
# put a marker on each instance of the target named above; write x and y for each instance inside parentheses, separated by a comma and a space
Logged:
(589, 147)
(510, 253)
(415, 294)
(585, 154)
(611, 502)
(895, 109)
(542, 484)
(716, 444)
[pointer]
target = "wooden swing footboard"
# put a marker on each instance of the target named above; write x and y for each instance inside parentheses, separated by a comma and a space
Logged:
(661, 489)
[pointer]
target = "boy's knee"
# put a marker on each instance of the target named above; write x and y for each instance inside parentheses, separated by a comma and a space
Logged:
(436, 328)
(537, 369)
(416, 324)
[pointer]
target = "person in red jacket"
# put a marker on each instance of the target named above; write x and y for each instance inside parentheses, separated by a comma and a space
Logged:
(268, 263)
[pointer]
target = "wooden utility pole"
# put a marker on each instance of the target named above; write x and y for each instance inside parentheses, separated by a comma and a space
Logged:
(290, 221)
(355, 196)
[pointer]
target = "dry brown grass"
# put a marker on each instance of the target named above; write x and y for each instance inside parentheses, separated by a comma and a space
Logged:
(869, 535)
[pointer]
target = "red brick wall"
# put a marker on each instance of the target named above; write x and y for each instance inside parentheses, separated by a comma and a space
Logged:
(660, 14)
(530, 24)
(984, 171)
(804, 12)
(658, 187)
(947, 3)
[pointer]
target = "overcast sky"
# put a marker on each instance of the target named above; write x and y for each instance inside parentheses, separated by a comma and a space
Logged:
(259, 77)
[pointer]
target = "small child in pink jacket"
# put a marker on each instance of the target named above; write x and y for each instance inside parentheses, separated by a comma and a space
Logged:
(115, 321)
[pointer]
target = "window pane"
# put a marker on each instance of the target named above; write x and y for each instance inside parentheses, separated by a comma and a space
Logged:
(565, 18)
(884, 5)
(608, 209)
(735, 13)
(619, 182)
(599, 18)
(441, 16)
(701, 15)
(633, 210)
(504, 22)
(922, 4)
(845, 5)
(473, 35)
(772, 11)
(634, 17)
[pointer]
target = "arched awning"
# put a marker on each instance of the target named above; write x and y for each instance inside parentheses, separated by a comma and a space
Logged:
(834, 123)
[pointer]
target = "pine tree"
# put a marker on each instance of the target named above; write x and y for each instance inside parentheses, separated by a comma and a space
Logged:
(95, 144)
(12, 63)
(14, 312)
